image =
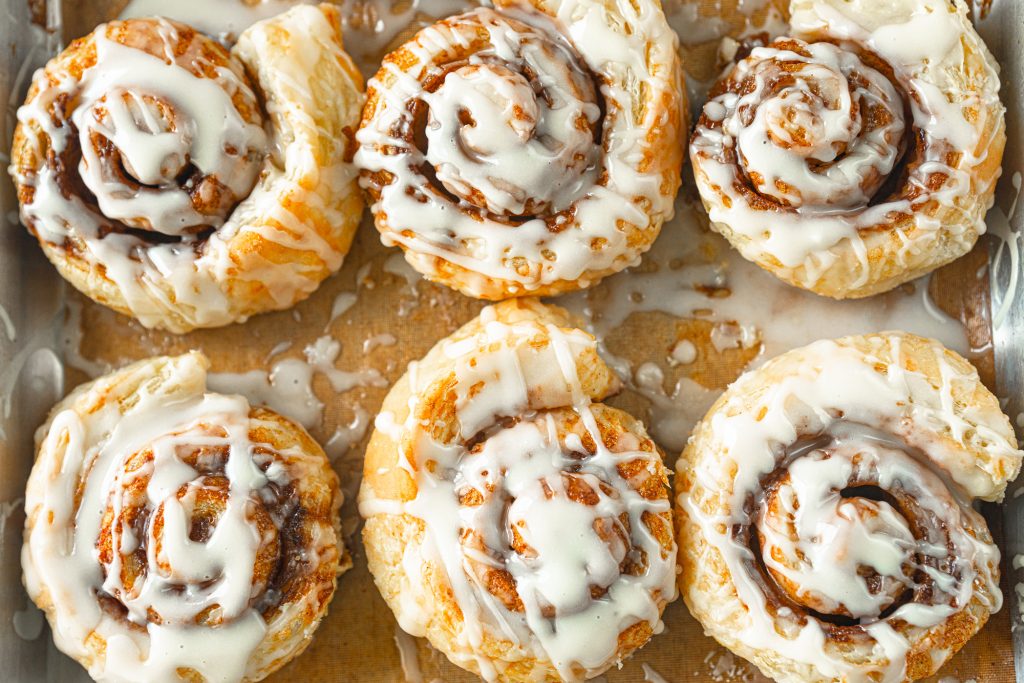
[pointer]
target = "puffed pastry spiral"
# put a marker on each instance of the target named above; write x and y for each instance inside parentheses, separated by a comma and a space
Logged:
(529, 148)
(522, 527)
(859, 153)
(825, 518)
(178, 535)
(188, 186)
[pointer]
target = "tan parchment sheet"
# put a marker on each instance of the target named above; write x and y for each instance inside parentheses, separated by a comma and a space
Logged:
(357, 640)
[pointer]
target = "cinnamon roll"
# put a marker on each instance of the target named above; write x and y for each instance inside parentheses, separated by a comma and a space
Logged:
(518, 524)
(175, 534)
(859, 153)
(825, 513)
(528, 148)
(188, 186)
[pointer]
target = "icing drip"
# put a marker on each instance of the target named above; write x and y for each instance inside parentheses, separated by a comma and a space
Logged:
(652, 676)
(408, 656)
(221, 19)
(725, 667)
(490, 482)
(158, 523)
(484, 147)
(795, 145)
(1006, 262)
(850, 476)
(373, 27)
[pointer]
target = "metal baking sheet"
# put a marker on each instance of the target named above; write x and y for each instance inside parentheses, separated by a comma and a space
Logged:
(37, 313)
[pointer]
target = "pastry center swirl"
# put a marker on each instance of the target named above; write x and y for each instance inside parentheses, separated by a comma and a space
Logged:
(514, 128)
(512, 486)
(186, 536)
(833, 547)
(814, 126)
(171, 134)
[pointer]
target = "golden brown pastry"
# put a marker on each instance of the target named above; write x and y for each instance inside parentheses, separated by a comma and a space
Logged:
(188, 186)
(824, 509)
(859, 153)
(517, 523)
(528, 148)
(175, 534)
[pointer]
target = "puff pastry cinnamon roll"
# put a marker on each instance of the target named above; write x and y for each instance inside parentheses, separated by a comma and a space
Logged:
(526, 149)
(859, 153)
(825, 512)
(188, 186)
(520, 525)
(174, 534)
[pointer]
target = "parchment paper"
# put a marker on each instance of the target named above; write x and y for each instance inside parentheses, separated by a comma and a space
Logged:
(357, 640)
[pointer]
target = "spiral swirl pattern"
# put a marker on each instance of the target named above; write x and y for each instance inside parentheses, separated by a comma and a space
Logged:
(496, 143)
(819, 129)
(859, 153)
(826, 499)
(185, 185)
(538, 518)
(512, 151)
(174, 154)
(204, 535)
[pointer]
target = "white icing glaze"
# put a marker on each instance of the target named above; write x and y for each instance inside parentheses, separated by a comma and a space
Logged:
(672, 412)
(287, 388)
(221, 19)
(346, 436)
(396, 265)
(408, 656)
(725, 667)
(342, 304)
(8, 325)
(70, 345)
(652, 676)
(812, 151)
(378, 340)
(162, 121)
(525, 471)
(85, 472)
(834, 423)
(523, 191)
(33, 372)
(683, 352)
